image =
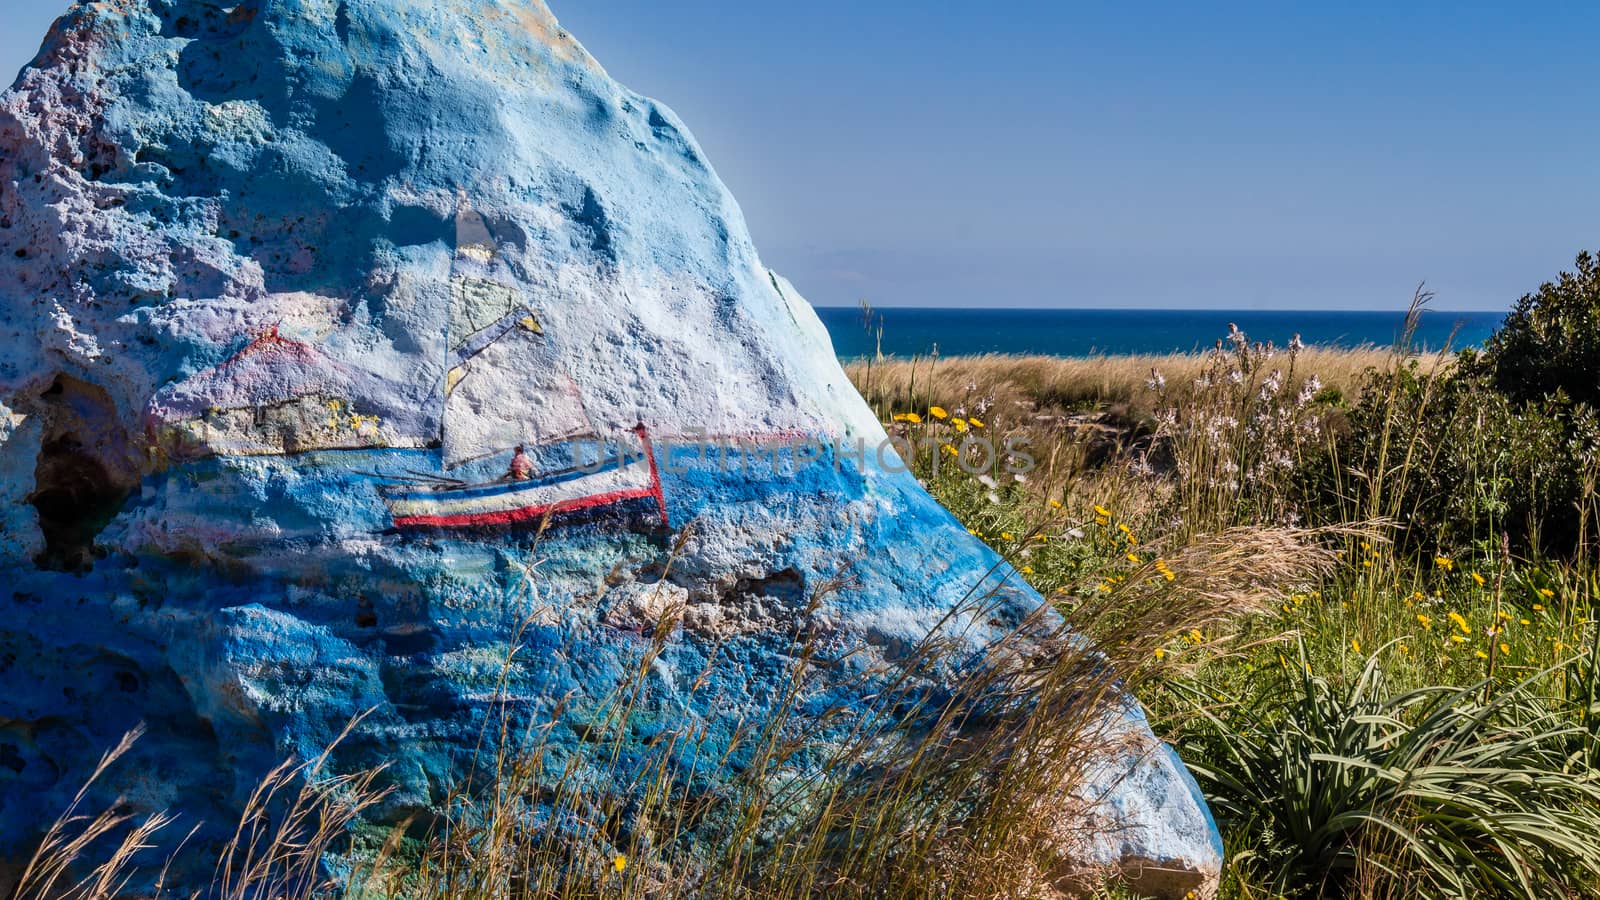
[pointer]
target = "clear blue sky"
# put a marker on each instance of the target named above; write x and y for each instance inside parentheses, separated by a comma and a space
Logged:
(1310, 155)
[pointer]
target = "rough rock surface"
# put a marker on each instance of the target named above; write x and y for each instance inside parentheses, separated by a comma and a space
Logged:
(284, 283)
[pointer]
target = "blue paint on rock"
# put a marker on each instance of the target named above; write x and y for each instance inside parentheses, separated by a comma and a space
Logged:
(243, 247)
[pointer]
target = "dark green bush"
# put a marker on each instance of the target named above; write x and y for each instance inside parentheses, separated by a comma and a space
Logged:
(1456, 463)
(1505, 441)
(1550, 343)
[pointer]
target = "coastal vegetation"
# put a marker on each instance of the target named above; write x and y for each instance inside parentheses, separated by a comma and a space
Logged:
(1423, 719)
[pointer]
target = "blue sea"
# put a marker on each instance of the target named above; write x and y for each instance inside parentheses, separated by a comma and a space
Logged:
(1089, 332)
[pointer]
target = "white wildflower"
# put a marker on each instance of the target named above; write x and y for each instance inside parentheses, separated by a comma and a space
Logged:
(1313, 386)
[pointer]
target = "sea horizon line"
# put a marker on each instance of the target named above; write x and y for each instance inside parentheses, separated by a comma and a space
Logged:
(1142, 309)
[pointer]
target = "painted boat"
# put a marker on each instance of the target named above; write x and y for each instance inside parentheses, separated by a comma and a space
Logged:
(552, 496)
(504, 391)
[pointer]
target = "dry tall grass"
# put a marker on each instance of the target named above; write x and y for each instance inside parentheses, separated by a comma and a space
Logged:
(1017, 388)
(960, 775)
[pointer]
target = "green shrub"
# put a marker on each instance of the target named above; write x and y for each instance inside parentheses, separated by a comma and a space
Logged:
(1426, 793)
(1456, 464)
(1550, 343)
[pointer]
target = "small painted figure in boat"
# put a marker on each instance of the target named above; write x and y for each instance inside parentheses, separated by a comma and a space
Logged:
(521, 466)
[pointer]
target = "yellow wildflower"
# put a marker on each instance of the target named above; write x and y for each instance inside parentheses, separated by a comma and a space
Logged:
(1027, 570)
(1478, 578)
(913, 418)
(938, 412)
(1006, 536)
(949, 450)
(974, 532)
(1055, 504)
(1445, 563)
(1527, 621)
(1458, 638)
(1546, 593)
(1134, 558)
(1538, 607)
(960, 424)
(1480, 654)
(1196, 636)
(1505, 648)
(1355, 645)
(975, 422)
(1102, 512)
(1461, 623)
(620, 863)
(1167, 573)
(1160, 653)
(1283, 662)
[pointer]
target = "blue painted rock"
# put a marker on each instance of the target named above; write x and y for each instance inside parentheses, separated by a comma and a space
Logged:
(345, 347)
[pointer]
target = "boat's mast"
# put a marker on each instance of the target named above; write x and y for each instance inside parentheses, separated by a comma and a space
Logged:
(449, 317)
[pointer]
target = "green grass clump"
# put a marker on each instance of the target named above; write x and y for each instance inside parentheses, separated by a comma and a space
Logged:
(1343, 786)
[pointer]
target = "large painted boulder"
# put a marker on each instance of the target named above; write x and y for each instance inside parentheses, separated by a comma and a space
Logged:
(345, 346)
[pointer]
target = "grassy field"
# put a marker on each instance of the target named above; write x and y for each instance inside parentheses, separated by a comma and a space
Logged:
(1020, 385)
(1416, 718)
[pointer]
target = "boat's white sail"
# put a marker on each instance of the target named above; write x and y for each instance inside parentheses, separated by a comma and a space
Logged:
(504, 386)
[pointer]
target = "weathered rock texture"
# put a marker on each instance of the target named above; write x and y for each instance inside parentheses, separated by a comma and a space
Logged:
(283, 284)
